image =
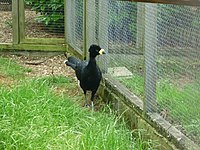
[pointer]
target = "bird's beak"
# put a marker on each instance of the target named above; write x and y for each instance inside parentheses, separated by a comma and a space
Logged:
(102, 51)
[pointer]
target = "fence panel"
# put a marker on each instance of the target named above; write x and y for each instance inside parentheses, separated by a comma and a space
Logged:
(178, 67)
(123, 39)
(44, 19)
(6, 21)
(74, 23)
(154, 50)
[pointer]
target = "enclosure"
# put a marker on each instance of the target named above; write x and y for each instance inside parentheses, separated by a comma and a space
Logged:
(152, 67)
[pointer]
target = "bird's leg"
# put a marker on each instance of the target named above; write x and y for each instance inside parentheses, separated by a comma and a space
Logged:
(92, 105)
(92, 99)
(86, 100)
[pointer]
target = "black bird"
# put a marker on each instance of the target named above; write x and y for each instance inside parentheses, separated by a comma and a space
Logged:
(87, 72)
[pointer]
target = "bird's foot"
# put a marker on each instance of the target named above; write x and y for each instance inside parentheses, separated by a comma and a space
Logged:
(87, 106)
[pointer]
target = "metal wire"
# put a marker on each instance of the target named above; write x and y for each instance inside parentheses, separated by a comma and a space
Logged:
(153, 49)
(178, 70)
(5, 21)
(74, 23)
(44, 20)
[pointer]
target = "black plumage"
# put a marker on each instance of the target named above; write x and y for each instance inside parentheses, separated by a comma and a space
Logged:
(87, 72)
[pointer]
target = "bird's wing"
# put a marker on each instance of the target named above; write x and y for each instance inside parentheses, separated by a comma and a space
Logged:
(73, 62)
(77, 65)
(80, 67)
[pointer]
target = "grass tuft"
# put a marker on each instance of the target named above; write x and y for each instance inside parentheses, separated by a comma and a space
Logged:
(11, 69)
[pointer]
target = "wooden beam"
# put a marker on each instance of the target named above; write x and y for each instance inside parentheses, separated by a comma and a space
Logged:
(85, 29)
(68, 21)
(48, 41)
(177, 2)
(21, 20)
(103, 34)
(90, 24)
(150, 48)
(65, 20)
(33, 47)
(140, 26)
(15, 23)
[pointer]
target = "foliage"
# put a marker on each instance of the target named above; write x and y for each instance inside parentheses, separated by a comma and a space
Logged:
(51, 11)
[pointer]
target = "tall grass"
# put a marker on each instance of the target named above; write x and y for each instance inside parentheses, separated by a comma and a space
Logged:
(33, 117)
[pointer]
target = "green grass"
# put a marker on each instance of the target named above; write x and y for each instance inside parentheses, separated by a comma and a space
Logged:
(136, 84)
(32, 116)
(182, 102)
(11, 69)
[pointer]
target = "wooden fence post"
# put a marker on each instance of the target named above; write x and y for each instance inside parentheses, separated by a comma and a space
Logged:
(85, 29)
(68, 10)
(103, 33)
(140, 25)
(21, 21)
(150, 45)
(90, 24)
(15, 21)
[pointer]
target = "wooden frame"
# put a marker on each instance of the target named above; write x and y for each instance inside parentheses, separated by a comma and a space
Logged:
(15, 23)
(177, 2)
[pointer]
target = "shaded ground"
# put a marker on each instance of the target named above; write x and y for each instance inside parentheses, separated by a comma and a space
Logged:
(5, 27)
(44, 66)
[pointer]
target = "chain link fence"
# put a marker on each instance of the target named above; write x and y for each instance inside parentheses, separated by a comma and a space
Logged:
(153, 49)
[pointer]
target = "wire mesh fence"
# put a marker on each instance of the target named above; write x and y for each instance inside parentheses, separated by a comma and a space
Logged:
(178, 67)
(44, 19)
(74, 23)
(5, 21)
(153, 49)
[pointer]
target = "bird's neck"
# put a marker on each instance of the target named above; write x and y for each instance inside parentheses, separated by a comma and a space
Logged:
(92, 62)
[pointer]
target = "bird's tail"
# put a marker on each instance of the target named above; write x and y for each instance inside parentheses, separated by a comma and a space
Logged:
(72, 62)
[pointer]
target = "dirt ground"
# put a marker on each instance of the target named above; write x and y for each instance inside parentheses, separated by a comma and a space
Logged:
(44, 66)
(5, 27)
(39, 66)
